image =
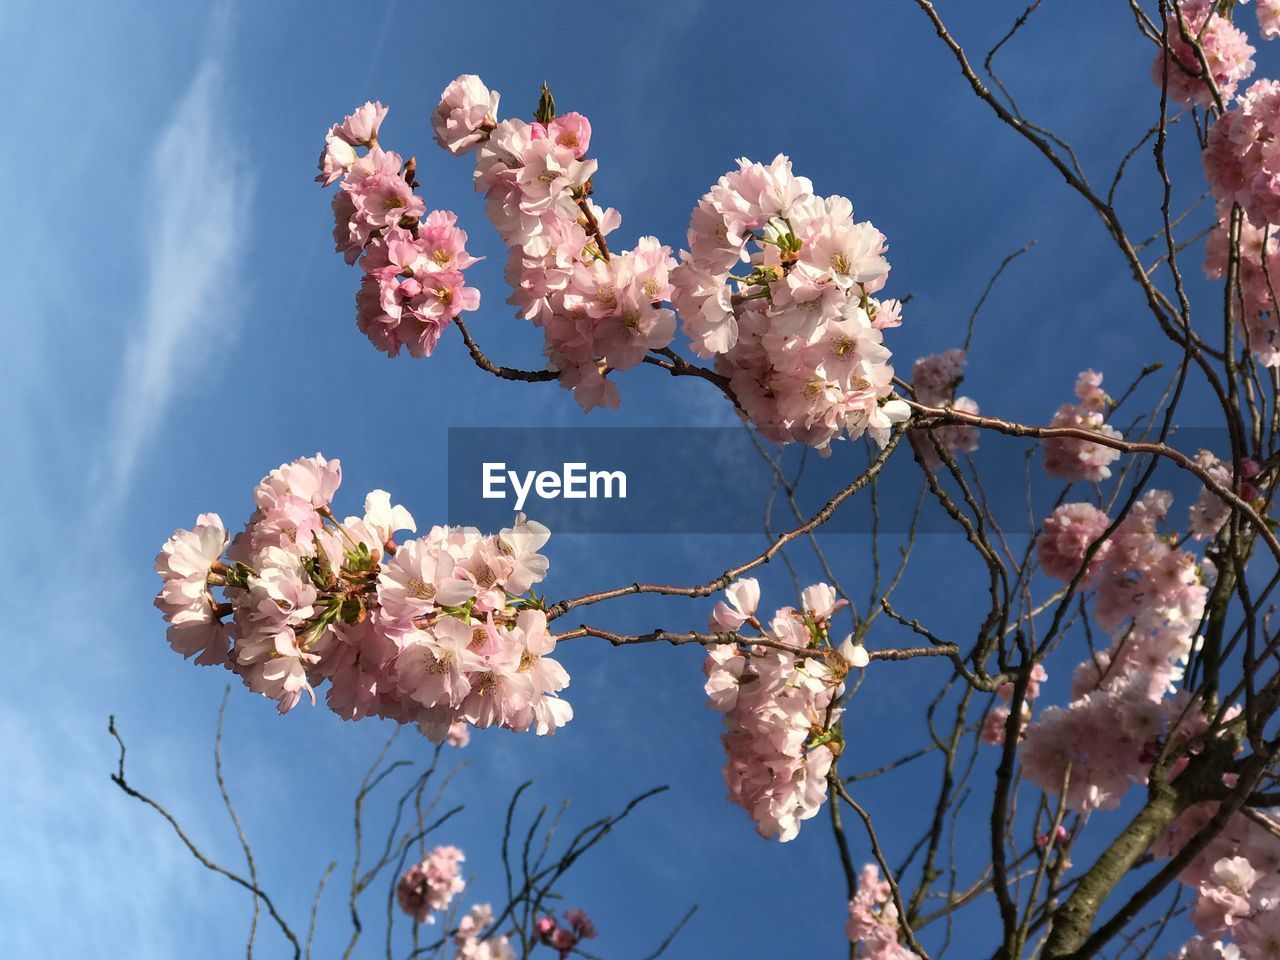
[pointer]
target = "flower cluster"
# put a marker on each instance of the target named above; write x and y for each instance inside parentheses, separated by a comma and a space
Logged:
(472, 942)
(1268, 12)
(1236, 880)
(1210, 512)
(429, 887)
(1065, 539)
(996, 722)
(1240, 158)
(1072, 458)
(565, 939)
(436, 630)
(934, 379)
(873, 919)
(778, 694)
(600, 309)
(1258, 263)
(797, 329)
(1150, 595)
(413, 261)
(1226, 49)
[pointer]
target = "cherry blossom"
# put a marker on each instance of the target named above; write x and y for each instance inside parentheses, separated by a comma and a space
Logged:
(1210, 512)
(1239, 163)
(1072, 458)
(873, 919)
(935, 379)
(797, 330)
(438, 630)
(1268, 12)
(797, 334)
(467, 111)
(564, 939)
(1151, 595)
(1066, 537)
(429, 887)
(186, 565)
(781, 733)
(1226, 51)
(1258, 262)
(413, 261)
(472, 942)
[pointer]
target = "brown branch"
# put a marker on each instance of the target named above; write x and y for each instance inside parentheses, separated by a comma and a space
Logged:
(719, 583)
(506, 373)
(118, 778)
(944, 415)
(884, 867)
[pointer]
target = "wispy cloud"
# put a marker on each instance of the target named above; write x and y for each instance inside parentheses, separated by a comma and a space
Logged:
(197, 206)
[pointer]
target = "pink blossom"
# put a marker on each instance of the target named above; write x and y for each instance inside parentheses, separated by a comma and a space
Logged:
(839, 250)
(384, 518)
(564, 939)
(1073, 458)
(436, 631)
(936, 377)
(854, 654)
(873, 919)
(467, 110)
(419, 579)
(383, 199)
(1224, 898)
(467, 938)
(816, 367)
(1065, 538)
(520, 543)
(429, 887)
(1198, 948)
(794, 329)
(1059, 836)
(1258, 263)
(581, 923)
(313, 480)
(1038, 676)
(1268, 12)
(275, 604)
(572, 131)
(413, 285)
(434, 666)
(775, 702)
(742, 597)
(1259, 935)
(361, 127)
(1226, 51)
(335, 160)
(474, 922)
(186, 564)
(1089, 390)
(356, 659)
(1239, 161)
(1151, 595)
(751, 196)
(1210, 512)
(993, 726)
(705, 303)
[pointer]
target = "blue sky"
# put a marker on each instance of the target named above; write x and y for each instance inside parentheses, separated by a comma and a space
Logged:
(176, 324)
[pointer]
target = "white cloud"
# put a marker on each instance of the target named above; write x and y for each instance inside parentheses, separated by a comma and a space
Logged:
(196, 210)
